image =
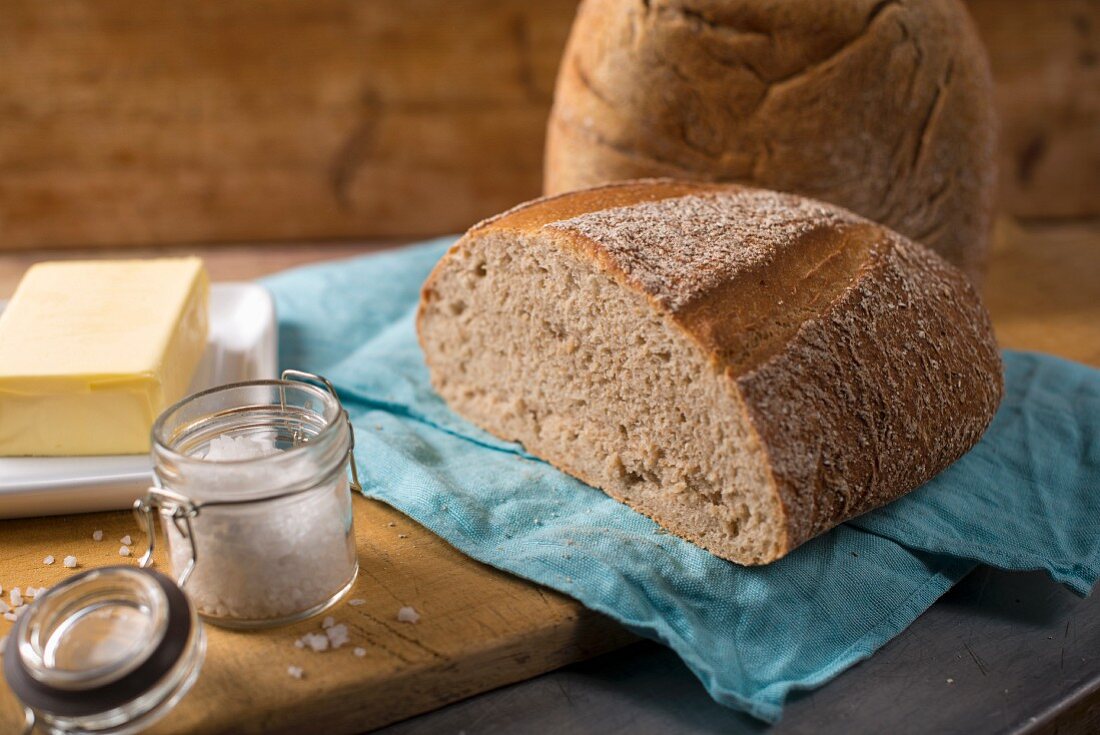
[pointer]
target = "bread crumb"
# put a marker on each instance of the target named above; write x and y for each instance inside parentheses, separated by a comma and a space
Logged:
(126, 540)
(97, 535)
(357, 602)
(48, 560)
(360, 652)
(408, 615)
(295, 672)
(124, 551)
(70, 562)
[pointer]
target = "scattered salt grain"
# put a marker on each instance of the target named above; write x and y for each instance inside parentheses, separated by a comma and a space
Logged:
(328, 622)
(408, 615)
(126, 540)
(950, 681)
(295, 672)
(124, 551)
(16, 597)
(357, 602)
(70, 562)
(10, 616)
(97, 535)
(299, 643)
(360, 652)
(316, 641)
(337, 635)
(48, 560)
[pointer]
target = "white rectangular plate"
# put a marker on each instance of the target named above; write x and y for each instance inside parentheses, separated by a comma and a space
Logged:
(243, 346)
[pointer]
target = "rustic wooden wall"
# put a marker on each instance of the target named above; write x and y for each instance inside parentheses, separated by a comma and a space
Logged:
(1046, 60)
(157, 121)
(136, 121)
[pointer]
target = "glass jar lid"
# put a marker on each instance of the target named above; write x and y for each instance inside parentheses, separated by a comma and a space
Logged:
(101, 641)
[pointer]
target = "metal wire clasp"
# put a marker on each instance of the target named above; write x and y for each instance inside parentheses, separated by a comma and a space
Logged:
(160, 501)
(312, 378)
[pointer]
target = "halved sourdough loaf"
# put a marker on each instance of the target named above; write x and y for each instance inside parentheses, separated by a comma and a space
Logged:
(747, 368)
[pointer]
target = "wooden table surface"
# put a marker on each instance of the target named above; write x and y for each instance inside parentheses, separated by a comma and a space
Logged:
(480, 628)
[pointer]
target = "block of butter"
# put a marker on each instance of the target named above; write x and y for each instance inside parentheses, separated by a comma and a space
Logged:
(92, 351)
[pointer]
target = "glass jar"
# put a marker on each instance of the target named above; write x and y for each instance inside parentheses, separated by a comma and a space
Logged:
(254, 499)
(109, 650)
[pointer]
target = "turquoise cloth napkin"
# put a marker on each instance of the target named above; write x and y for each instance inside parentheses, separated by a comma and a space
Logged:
(1027, 497)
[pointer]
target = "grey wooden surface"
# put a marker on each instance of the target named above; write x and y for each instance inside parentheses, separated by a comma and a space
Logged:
(1003, 652)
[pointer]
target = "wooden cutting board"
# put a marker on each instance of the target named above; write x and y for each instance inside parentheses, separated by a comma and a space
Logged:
(479, 628)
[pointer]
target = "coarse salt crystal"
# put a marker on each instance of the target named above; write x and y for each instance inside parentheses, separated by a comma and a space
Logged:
(299, 643)
(4, 607)
(16, 597)
(124, 551)
(408, 615)
(295, 672)
(337, 635)
(48, 560)
(126, 540)
(228, 448)
(328, 622)
(360, 652)
(316, 641)
(70, 562)
(357, 602)
(97, 535)
(10, 616)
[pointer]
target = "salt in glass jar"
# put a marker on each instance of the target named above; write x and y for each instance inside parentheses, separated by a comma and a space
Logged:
(255, 501)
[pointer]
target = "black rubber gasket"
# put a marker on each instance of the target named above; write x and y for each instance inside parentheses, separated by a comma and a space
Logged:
(85, 702)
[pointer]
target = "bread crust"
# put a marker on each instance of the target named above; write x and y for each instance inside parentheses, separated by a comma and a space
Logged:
(884, 107)
(878, 366)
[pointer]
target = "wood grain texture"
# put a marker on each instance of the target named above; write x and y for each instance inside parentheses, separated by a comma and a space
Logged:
(480, 628)
(129, 122)
(1045, 56)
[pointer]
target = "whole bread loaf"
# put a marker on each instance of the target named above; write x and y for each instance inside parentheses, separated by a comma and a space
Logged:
(745, 367)
(884, 107)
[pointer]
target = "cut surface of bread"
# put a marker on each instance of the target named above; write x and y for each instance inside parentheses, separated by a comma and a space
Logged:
(688, 349)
